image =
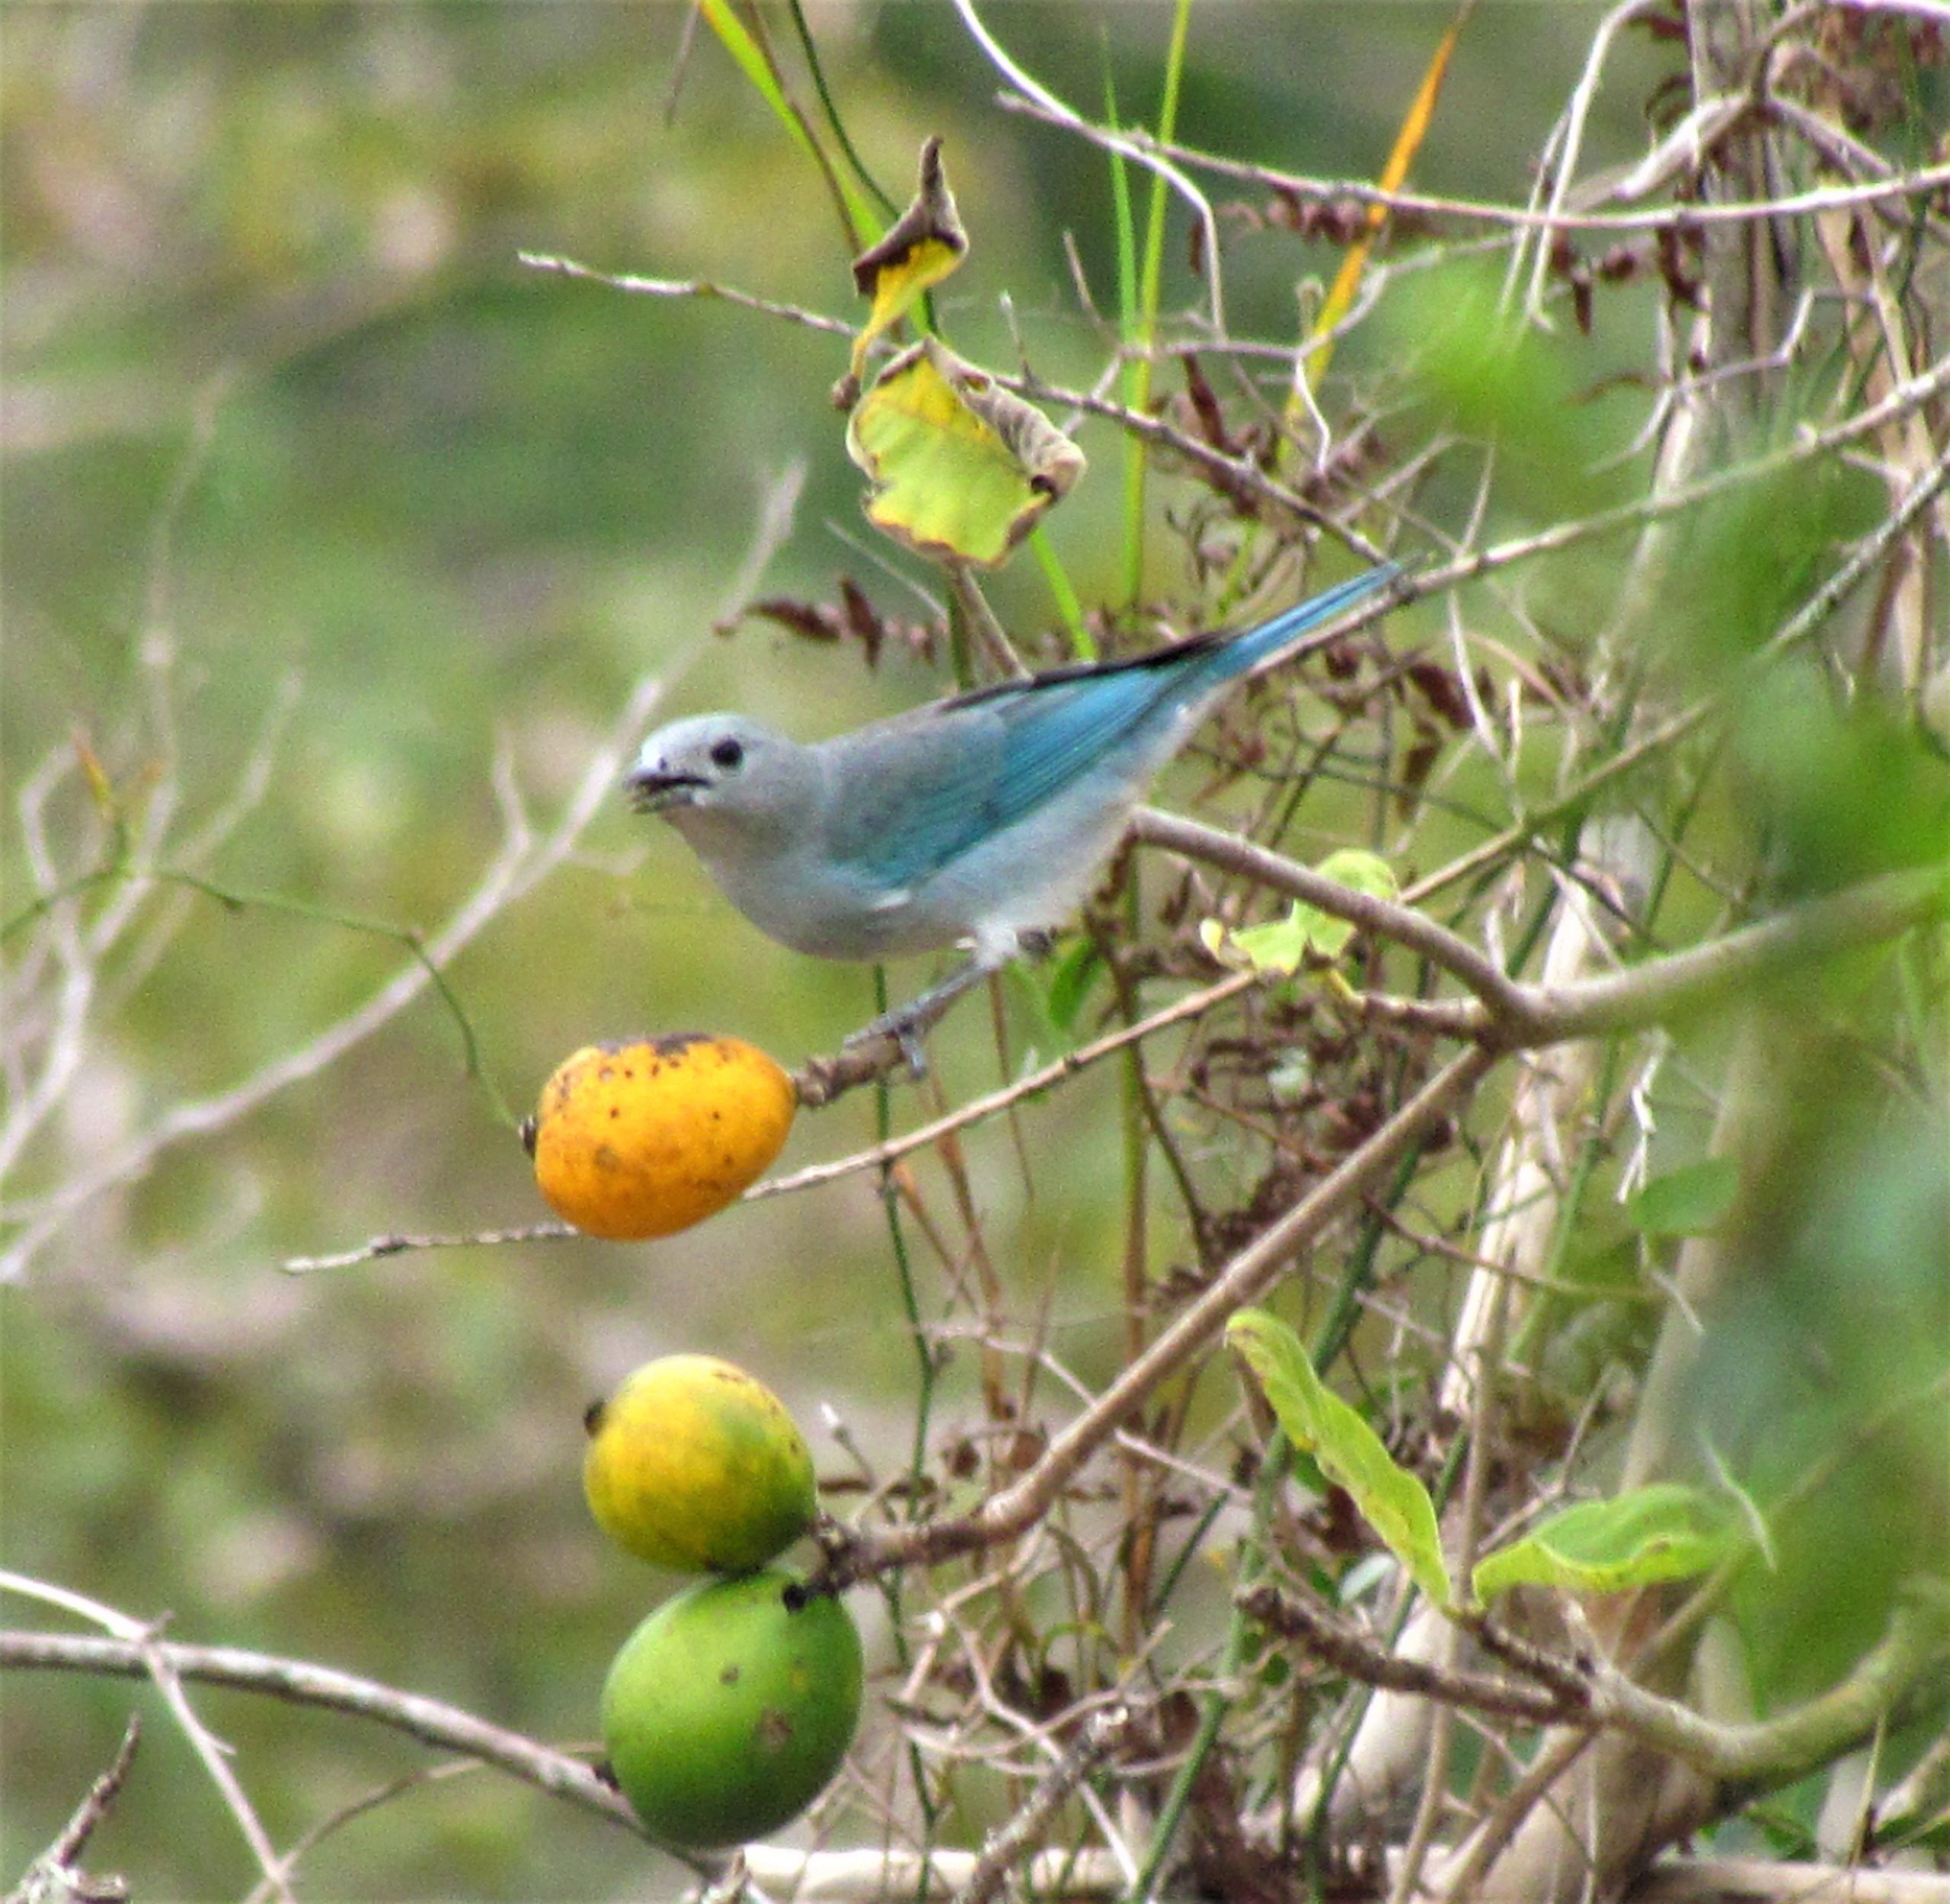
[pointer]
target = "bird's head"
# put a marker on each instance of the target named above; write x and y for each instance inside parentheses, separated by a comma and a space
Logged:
(720, 772)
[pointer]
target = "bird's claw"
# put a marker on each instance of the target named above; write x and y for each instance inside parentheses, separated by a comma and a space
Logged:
(899, 1028)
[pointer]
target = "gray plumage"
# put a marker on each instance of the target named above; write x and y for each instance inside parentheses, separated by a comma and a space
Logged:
(977, 820)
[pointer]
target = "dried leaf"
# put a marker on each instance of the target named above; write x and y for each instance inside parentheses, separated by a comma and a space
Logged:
(961, 467)
(1443, 690)
(864, 622)
(1416, 765)
(1407, 141)
(812, 621)
(926, 243)
(854, 618)
(1205, 406)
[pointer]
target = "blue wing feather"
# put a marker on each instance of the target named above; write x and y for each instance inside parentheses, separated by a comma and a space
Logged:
(927, 797)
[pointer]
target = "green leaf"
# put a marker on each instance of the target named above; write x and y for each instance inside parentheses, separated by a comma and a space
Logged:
(961, 467)
(1664, 1532)
(1689, 1201)
(1070, 984)
(755, 64)
(1363, 872)
(1350, 1455)
(1306, 931)
(1277, 950)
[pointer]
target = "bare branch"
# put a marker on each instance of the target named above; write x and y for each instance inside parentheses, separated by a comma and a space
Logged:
(52, 1878)
(690, 287)
(1919, 184)
(1337, 1643)
(1013, 1844)
(522, 863)
(1005, 1515)
(429, 1721)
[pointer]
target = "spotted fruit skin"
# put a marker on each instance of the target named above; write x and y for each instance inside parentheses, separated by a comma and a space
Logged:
(725, 1714)
(695, 1465)
(644, 1138)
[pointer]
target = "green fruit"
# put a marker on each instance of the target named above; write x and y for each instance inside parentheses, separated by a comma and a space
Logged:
(693, 1464)
(725, 1715)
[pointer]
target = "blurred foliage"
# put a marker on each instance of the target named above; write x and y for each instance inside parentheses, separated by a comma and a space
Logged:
(324, 522)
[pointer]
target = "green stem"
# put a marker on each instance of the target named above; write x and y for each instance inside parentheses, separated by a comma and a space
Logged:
(834, 122)
(1082, 643)
(910, 1300)
(1140, 313)
(240, 899)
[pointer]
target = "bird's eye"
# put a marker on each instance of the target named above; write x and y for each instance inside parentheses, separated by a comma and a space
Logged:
(728, 753)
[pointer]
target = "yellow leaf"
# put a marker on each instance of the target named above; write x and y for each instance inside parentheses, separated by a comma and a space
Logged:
(101, 789)
(925, 245)
(1407, 141)
(961, 467)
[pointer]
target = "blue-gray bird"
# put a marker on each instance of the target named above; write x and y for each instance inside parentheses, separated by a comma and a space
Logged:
(980, 820)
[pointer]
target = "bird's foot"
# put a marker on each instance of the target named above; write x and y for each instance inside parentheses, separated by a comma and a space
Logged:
(907, 1024)
(904, 1029)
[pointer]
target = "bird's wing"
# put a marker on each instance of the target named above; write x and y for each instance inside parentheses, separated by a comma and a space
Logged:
(924, 788)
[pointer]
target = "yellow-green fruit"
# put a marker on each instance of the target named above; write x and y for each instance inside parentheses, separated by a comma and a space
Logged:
(725, 1715)
(694, 1465)
(646, 1138)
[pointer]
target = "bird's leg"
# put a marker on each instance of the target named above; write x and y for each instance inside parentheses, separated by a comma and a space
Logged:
(907, 1024)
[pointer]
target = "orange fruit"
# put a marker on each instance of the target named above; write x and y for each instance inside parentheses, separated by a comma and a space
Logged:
(646, 1137)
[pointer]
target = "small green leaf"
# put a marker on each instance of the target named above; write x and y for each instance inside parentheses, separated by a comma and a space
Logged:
(1285, 944)
(961, 467)
(1276, 950)
(1363, 872)
(1391, 1500)
(1070, 984)
(1367, 872)
(1660, 1533)
(1689, 1201)
(1292, 1077)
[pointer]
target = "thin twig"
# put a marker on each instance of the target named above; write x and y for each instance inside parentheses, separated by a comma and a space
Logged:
(1017, 1508)
(1337, 1643)
(521, 863)
(686, 287)
(1921, 183)
(1010, 1846)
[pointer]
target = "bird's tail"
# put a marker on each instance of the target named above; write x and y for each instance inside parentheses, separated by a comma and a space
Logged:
(1247, 651)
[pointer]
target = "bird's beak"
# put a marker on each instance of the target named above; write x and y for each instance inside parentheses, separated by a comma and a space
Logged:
(651, 791)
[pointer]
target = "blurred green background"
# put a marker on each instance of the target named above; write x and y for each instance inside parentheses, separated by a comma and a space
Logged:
(287, 426)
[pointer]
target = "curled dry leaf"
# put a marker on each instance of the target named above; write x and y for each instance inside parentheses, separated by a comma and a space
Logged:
(925, 244)
(961, 467)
